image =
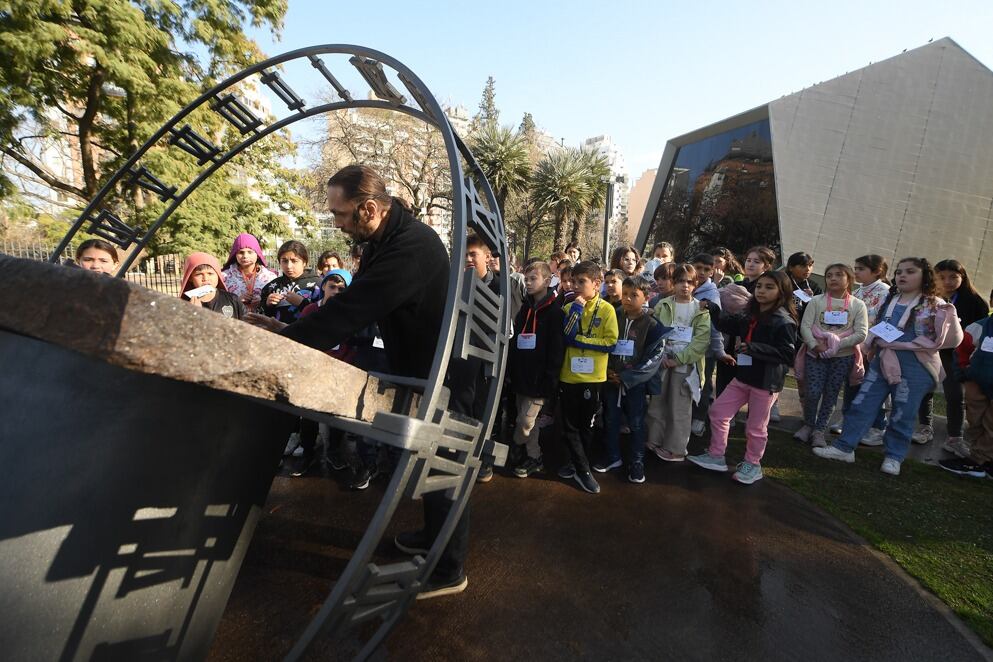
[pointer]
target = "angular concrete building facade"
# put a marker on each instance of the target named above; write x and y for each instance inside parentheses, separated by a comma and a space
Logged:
(894, 159)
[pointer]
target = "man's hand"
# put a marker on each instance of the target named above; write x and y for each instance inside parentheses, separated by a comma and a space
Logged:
(265, 322)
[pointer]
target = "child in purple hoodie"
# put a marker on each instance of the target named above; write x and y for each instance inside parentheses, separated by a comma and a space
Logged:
(246, 273)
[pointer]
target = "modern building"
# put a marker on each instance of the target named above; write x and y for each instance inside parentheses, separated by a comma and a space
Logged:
(641, 190)
(618, 171)
(895, 158)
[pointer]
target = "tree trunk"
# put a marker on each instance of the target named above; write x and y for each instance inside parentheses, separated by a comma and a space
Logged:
(576, 230)
(86, 156)
(560, 221)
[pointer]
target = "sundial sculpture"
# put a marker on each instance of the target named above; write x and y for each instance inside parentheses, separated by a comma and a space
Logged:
(138, 431)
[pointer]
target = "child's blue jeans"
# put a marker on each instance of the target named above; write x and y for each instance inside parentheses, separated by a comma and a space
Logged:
(906, 397)
(633, 404)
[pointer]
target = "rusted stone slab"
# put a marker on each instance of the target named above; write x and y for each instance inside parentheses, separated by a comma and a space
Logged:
(130, 326)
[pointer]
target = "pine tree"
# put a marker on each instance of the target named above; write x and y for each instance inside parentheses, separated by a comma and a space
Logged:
(527, 129)
(488, 115)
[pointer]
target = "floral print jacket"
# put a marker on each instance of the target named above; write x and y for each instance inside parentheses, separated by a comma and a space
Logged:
(235, 283)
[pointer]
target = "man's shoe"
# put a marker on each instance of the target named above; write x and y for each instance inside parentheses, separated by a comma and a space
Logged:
(966, 467)
(337, 462)
(708, 461)
(817, 439)
(567, 471)
(437, 588)
(604, 467)
(957, 446)
(485, 474)
(528, 467)
(924, 434)
(304, 463)
(890, 466)
(636, 474)
(697, 428)
(874, 437)
(803, 434)
(362, 478)
(587, 482)
(833, 453)
(748, 473)
(411, 542)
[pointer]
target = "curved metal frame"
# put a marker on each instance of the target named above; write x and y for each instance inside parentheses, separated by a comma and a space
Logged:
(438, 452)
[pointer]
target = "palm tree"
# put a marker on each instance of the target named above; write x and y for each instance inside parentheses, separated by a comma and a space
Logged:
(560, 187)
(502, 154)
(597, 172)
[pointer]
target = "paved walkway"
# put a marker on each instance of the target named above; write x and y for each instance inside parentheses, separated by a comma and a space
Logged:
(688, 566)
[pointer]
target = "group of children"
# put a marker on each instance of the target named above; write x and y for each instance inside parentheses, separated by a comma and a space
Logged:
(642, 352)
(643, 345)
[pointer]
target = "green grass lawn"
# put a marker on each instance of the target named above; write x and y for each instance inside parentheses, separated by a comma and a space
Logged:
(937, 526)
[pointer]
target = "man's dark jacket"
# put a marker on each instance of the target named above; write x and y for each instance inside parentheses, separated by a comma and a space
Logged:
(402, 285)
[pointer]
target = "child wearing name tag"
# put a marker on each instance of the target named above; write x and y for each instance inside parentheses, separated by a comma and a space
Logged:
(632, 365)
(903, 347)
(681, 376)
(956, 288)
(768, 336)
(974, 370)
(833, 326)
(534, 361)
(799, 266)
(590, 329)
(202, 286)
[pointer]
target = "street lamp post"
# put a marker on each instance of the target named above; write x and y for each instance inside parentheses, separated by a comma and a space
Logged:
(607, 215)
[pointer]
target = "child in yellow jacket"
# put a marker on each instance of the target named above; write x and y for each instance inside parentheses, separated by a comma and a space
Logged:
(590, 335)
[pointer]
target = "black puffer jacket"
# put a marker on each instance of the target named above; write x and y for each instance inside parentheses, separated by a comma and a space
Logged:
(401, 285)
(772, 348)
(535, 372)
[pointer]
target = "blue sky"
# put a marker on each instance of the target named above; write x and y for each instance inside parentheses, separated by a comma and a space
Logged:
(642, 72)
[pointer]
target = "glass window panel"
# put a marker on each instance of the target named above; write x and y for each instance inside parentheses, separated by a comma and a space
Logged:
(720, 192)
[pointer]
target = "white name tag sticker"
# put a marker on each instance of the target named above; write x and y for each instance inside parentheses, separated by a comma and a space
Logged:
(681, 334)
(886, 331)
(836, 317)
(744, 359)
(201, 291)
(987, 345)
(227, 311)
(377, 342)
(801, 295)
(624, 348)
(526, 341)
(582, 365)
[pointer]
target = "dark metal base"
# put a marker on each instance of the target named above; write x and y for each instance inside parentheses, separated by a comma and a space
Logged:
(126, 506)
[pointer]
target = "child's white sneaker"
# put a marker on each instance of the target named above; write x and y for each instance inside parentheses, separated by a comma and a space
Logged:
(890, 466)
(832, 453)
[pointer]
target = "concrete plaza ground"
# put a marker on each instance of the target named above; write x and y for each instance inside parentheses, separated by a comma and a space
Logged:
(688, 566)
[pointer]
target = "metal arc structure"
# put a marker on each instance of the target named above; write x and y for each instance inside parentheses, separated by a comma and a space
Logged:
(439, 451)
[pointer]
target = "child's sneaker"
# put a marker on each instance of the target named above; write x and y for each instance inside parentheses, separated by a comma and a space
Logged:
(708, 461)
(890, 466)
(748, 473)
(528, 467)
(833, 453)
(924, 434)
(636, 474)
(587, 482)
(966, 467)
(817, 439)
(604, 467)
(874, 437)
(803, 434)
(957, 446)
